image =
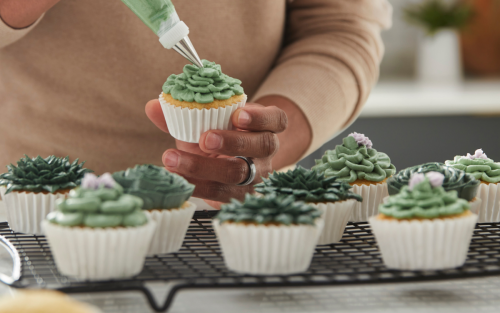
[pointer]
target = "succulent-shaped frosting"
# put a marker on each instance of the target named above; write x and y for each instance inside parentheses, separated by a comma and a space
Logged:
(424, 198)
(268, 209)
(478, 165)
(306, 185)
(38, 174)
(454, 179)
(99, 202)
(355, 160)
(157, 187)
(202, 85)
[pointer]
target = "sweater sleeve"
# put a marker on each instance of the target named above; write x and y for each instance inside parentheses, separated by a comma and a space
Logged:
(10, 35)
(330, 61)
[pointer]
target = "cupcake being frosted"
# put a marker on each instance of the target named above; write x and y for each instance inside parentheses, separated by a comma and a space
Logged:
(424, 227)
(487, 172)
(31, 189)
(356, 162)
(165, 198)
(200, 99)
(107, 230)
(334, 198)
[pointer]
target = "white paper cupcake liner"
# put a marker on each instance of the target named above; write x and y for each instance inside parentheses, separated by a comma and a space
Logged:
(373, 196)
(335, 216)
(99, 253)
(188, 124)
(171, 228)
(424, 244)
(267, 250)
(25, 211)
(489, 211)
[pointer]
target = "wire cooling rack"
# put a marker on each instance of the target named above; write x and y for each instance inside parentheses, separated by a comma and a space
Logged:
(199, 264)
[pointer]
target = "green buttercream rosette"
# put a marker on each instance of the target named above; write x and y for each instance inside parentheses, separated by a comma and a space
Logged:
(352, 161)
(202, 85)
(157, 187)
(38, 174)
(308, 186)
(271, 208)
(478, 165)
(424, 201)
(454, 179)
(100, 203)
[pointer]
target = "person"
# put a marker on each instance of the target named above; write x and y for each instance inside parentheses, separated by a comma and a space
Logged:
(75, 75)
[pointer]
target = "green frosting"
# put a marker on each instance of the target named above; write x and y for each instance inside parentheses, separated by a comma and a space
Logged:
(202, 85)
(270, 208)
(484, 169)
(424, 201)
(306, 185)
(156, 14)
(38, 174)
(351, 161)
(454, 179)
(157, 187)
(101, 207)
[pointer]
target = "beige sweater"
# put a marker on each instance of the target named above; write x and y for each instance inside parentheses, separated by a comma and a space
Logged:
(76, 82)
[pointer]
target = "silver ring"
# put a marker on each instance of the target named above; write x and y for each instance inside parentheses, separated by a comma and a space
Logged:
(252, 168)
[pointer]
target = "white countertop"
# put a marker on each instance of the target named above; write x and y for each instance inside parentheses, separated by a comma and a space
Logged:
(409, 98)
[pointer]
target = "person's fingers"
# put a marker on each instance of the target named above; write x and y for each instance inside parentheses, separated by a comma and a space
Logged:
(236, 143)
(224, 170)
(155, 114)
(215, 191)
(260, 118)
(193, 148)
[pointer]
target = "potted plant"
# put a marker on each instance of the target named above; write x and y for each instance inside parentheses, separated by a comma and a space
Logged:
(438, 57)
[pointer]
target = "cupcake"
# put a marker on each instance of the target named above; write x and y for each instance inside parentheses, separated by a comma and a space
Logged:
(424, 227)
(31, 189)
(335, 199)
(268, 235)
(43, 301)
(165, 198)
(98, 232)
(357, 163)
(200, 99)
(487, 172)
(463, 183)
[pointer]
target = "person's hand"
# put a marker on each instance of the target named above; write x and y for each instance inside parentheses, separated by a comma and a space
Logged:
(211, 166)
(21, 14)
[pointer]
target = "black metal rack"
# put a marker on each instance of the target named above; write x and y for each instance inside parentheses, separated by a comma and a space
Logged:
(199, 264)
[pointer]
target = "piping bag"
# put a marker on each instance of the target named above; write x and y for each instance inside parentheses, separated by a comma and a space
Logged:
(160, 16)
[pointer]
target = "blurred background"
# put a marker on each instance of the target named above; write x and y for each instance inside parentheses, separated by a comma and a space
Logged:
(439, 90)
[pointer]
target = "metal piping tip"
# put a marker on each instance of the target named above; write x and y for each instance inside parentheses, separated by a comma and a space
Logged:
(186, 49)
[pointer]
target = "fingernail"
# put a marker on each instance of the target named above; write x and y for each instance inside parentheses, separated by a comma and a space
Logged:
(213, 141)
(244, 119)
(171, 159)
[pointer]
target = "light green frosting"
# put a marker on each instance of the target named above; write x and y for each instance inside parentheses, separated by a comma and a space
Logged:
(351, 161)
(202, 85)
(424, 201)
(101, 207)
(483, 169)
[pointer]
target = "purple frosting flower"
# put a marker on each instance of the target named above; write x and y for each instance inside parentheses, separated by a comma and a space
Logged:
(91, 181)
(415, 179)
(478, 155)
(362, 140)
(435, 178)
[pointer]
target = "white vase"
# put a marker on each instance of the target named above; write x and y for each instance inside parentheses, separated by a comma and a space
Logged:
(438, 58)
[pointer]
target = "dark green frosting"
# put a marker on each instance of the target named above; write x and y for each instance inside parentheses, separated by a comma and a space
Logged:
(306, 185)
(454, 179)
(38, 174)
(202, 85)
(101, 207)
(270, 208)
(352, 161)
(157, 187)
(424, 201)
